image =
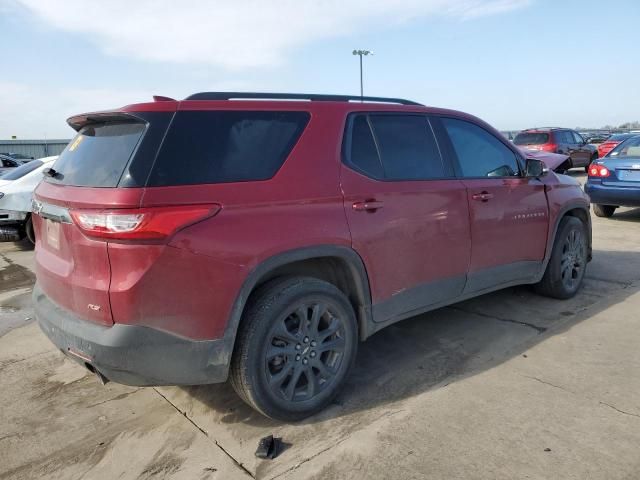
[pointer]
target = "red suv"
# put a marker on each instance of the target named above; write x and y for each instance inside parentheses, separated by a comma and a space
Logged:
(559, 140)
(259, 237)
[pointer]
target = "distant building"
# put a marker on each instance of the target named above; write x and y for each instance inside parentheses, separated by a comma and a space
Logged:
(33, 148)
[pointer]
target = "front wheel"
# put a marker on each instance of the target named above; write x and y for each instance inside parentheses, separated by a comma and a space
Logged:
(605, 211)
(565, 271)
(296, 344)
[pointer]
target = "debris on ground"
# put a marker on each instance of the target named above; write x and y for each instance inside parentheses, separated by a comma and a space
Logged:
(269, 447)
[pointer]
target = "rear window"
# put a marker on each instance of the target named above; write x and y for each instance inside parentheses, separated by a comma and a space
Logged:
(98, 155)
(619, 137)
(226, 146)
(531, 138)
(21, 171)
(628, 148)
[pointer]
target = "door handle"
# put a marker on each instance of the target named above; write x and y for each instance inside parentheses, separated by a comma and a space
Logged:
(368, 206)
(482, 196)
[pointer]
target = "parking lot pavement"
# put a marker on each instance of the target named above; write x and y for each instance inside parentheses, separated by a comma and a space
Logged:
(509, 385)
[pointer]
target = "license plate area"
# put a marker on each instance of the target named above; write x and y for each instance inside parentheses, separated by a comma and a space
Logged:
(629, 175)
(52, 230)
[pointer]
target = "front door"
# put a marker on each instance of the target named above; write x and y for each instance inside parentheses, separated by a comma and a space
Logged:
(407, 213)
(508, 212)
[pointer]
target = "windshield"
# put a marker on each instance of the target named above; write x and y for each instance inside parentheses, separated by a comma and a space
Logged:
(21, 171)
(531, 138)
(628, 148)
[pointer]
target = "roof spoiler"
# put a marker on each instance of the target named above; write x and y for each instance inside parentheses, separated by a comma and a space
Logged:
(79, 121)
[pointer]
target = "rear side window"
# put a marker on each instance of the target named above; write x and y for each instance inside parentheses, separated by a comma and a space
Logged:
(531, 138)
(480, 154)
(226, 146)
(98, 155)
(395, 147)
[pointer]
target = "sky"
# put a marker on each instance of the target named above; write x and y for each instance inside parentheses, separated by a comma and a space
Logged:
(514, 63)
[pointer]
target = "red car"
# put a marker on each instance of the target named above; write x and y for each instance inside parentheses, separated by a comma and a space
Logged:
(561, 141)
(612, 142)
(259, 237)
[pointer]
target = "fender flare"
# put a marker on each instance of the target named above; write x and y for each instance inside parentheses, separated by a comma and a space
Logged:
(552, 238)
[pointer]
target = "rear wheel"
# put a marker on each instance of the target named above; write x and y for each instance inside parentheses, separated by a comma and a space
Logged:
(565, 270)
(28, 228)
(296, 344)
(605, 211)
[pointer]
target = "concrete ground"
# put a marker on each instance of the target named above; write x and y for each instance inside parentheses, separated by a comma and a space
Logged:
(508, 385)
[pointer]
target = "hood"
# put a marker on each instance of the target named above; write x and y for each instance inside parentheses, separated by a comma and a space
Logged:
(551, 160)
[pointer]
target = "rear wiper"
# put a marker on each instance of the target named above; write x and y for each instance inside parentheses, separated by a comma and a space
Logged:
(51, 172)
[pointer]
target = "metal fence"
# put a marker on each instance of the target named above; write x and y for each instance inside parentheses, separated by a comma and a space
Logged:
(33, 148)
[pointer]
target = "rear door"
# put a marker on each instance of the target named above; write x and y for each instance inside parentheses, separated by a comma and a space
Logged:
(73, 270)
(508, 212)
(407, 213)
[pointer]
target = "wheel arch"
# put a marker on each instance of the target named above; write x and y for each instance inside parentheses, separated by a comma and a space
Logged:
(575, 209)
(338, 265)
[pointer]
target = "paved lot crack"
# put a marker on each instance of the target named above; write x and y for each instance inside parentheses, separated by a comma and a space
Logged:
(204, 432)
(547, 383)
(500, 319)
(117, 397)
(621, 411)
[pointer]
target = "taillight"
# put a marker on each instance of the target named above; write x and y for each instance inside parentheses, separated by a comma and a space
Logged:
(549, 147)
(152, 223)
(598, 171)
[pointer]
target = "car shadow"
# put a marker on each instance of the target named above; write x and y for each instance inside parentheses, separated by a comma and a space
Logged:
(443, 346)
(631, 215)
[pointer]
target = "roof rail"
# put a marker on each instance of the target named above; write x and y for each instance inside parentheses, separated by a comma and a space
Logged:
(295, 96)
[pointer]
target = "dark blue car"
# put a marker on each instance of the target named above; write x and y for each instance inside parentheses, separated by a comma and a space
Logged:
(614, 180)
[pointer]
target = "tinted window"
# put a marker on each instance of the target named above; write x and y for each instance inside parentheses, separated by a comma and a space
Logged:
(531, 138)
(578, 138)
(407, 147)
(22, 170)
(226, 146)
(479, 153)
(98, 155)
(364, 154)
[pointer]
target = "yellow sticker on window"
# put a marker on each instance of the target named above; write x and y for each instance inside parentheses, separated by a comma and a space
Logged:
(75, 143)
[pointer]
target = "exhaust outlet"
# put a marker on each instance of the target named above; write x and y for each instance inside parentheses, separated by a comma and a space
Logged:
(101, 378)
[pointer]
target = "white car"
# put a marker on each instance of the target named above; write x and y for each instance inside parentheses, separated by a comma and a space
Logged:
(16, 190)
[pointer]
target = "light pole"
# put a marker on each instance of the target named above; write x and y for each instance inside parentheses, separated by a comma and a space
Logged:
(362, 53)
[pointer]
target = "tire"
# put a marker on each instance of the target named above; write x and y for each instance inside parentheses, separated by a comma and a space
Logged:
(294, 328)
(604, 211)
(28, 228)
(565, 271)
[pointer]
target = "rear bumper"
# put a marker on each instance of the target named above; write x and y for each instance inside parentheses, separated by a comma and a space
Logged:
(619, 196)
(133, 355)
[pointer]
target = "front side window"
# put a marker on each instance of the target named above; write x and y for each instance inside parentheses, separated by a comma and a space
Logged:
(578, 137)
(480, 154)
(395, 147)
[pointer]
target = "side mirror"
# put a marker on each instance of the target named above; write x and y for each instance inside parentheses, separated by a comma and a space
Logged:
(535, 168)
